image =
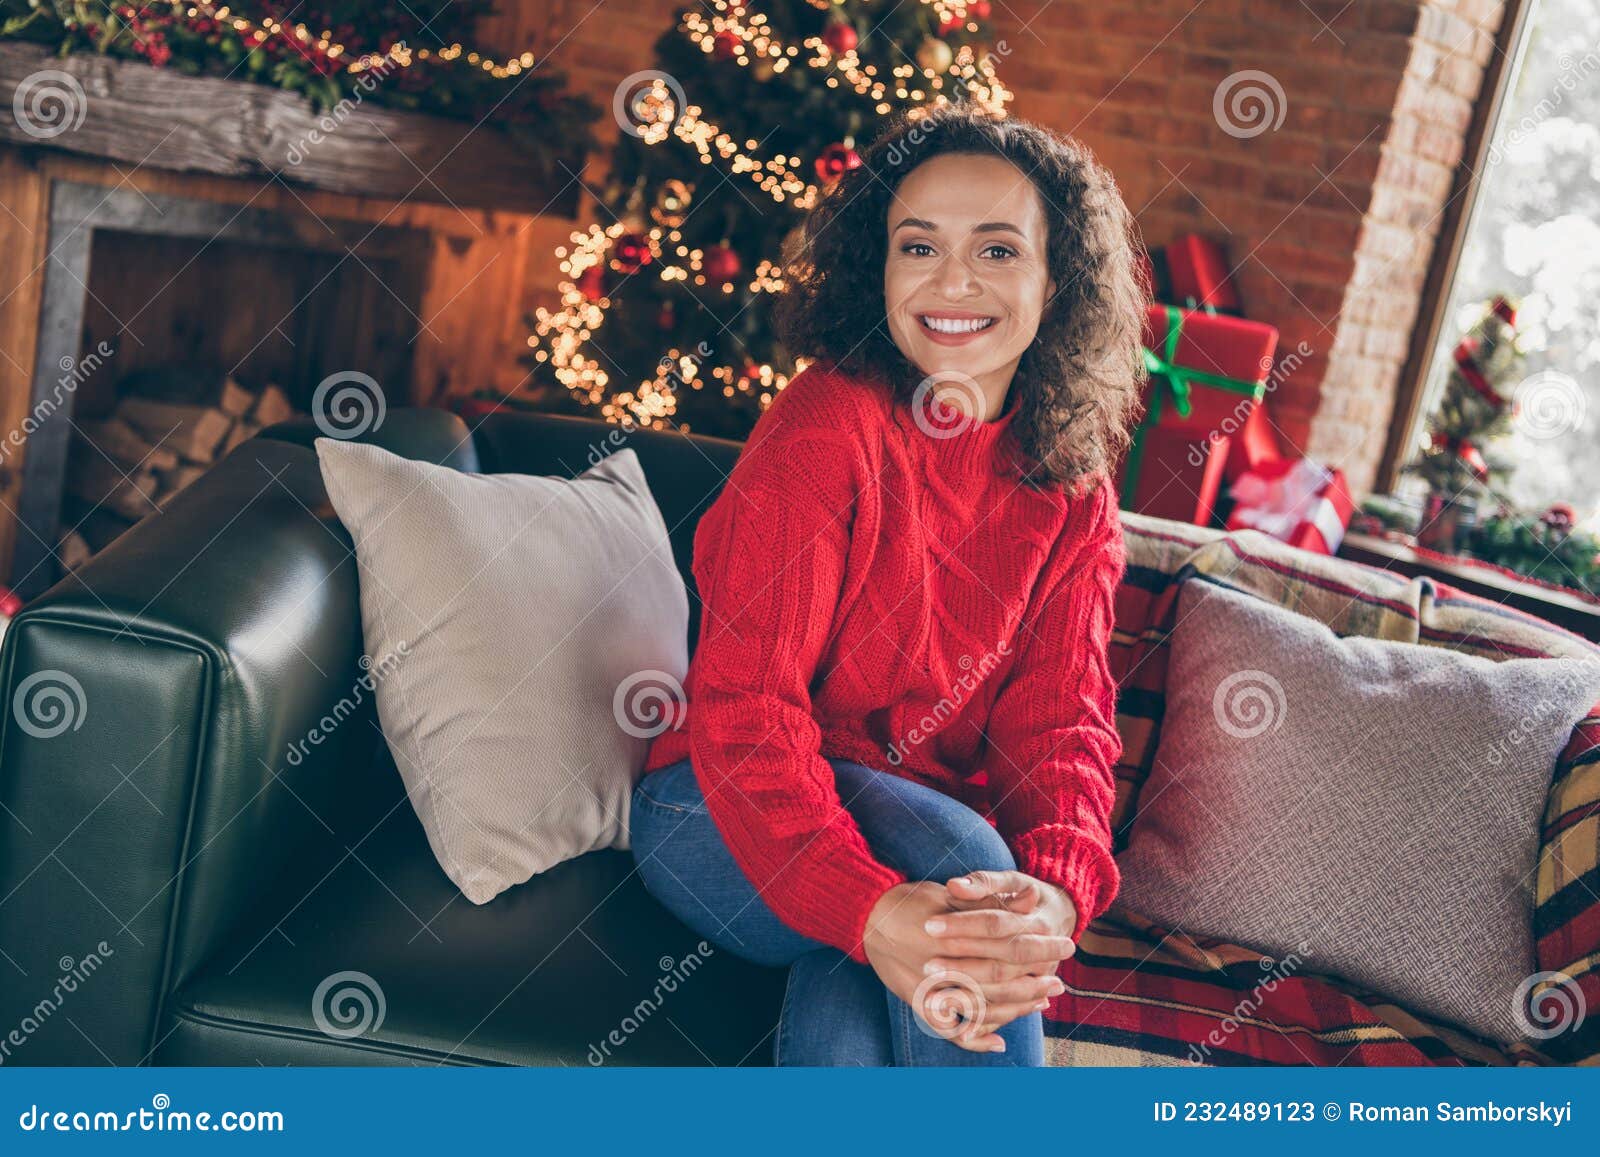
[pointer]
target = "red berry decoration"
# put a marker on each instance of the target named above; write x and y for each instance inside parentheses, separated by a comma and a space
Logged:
(633, 252)
(724, 45)
(720, 265)
(948, 26)
(840, 38)
(978, 9)
(592, 283)
(835, 161)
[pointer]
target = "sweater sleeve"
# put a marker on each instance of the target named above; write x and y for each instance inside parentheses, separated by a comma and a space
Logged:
(769, 564)
(1053, 741)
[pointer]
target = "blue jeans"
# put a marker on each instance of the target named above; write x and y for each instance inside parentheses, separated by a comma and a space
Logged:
(835, 1011)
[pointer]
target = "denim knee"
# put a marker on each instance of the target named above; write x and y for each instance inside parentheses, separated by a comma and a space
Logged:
(957, 844)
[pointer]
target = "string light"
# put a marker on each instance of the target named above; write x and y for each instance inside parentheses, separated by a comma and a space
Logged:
(398, 56)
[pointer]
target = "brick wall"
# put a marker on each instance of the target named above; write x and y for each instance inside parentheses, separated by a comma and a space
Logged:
(1330, 217)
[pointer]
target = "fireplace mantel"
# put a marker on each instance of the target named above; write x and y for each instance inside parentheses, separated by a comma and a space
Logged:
(156, 118)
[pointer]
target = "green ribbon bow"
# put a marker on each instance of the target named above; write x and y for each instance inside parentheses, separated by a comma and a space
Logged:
(1177, 381)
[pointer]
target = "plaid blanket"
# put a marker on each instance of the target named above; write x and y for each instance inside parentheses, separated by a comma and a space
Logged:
(1139, 994)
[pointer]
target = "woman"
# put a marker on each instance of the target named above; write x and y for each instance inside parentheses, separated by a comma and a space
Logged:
(894, 772)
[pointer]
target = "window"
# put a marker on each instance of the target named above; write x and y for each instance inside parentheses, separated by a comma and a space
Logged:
(1534, 234)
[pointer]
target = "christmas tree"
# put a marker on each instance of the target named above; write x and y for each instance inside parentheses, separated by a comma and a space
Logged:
(1458, 461)
(752, 111)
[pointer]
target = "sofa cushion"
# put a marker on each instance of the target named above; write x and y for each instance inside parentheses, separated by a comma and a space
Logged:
(579, 966)
(526, 634)
(1366, 807)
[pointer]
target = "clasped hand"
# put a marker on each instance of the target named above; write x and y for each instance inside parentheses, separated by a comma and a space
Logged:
(973, 954)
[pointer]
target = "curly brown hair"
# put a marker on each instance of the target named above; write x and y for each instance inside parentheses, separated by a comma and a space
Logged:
(1080, 378)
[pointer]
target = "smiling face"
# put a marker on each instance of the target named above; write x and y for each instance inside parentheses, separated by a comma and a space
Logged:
(967, 274)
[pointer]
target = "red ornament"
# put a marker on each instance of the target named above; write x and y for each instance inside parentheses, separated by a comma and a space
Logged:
(978, 9)
(592, 283)
(1559, 518)
(633, 252)
(948, 27)
(840, 38)
(835, 161)
(720, 265)
(724, 45)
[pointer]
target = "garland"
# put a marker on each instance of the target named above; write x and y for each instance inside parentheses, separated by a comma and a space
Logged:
(420, 61)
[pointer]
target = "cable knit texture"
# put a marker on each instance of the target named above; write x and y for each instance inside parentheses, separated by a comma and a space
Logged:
(890, 593)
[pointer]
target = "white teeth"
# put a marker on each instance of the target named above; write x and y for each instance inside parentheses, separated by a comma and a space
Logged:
(954, 325)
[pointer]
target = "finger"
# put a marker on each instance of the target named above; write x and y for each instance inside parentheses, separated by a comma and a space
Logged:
(986, 922)
(988, 970)
(1029, 947)
(1023, 991)
(975, 884)
(996, 1018)
(988, 1043)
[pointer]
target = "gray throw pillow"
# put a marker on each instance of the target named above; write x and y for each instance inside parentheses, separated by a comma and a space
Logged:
(1372, 808)
(525, 634)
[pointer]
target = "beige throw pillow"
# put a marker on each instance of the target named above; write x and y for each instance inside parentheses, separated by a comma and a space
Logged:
(523, 632)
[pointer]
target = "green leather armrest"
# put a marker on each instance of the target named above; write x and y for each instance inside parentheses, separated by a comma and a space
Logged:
(186, 750)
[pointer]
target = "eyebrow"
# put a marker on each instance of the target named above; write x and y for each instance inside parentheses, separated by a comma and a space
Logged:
(985, 227)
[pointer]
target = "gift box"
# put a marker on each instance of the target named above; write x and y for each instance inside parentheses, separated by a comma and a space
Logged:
(1153, 269)
(1298, 501)
(1207, 373)
(1253, 444)
(1197, 270)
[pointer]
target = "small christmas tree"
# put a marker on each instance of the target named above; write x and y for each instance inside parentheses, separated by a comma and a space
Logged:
(1458, 462)
(753, 110)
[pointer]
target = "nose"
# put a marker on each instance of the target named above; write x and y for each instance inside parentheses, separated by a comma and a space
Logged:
(955, 279)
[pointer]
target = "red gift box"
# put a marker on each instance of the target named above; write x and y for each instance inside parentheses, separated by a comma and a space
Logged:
(1298, 501)
(1181, 475)
(1254, 444)
(1207, 372)
(1197, 269)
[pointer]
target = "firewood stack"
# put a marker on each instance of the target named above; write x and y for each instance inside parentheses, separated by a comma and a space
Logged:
(131, 464)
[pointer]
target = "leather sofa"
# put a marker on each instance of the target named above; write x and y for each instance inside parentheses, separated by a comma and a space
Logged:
(177, 889)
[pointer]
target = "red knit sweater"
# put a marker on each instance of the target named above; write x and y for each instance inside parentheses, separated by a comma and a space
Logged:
(880, 593)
